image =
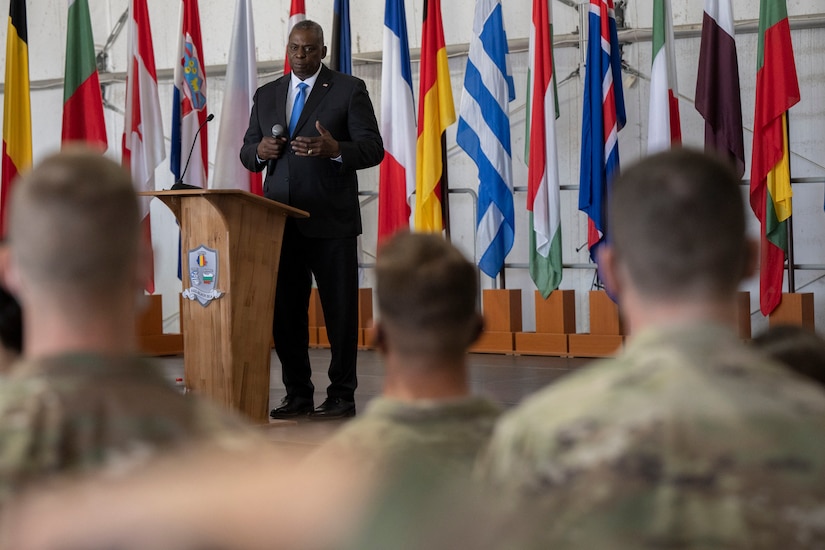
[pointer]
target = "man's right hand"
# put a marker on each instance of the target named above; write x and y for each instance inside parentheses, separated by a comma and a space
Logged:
(271, 148)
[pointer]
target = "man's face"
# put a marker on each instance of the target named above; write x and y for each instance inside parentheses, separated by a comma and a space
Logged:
(305, 50)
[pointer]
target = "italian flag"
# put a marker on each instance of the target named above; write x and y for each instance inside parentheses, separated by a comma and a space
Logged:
(542, 156)
(82, 100)
(777, 90)
(436, 111)
(664, 128)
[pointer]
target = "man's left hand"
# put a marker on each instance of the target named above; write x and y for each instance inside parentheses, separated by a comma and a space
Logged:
(324, 146)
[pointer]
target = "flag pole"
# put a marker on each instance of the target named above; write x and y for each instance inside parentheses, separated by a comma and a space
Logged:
(445, 188)
(791, 276)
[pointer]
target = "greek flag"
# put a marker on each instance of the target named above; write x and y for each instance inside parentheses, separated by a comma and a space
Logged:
(484, 133)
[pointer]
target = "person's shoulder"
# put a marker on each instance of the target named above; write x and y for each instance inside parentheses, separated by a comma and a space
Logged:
(272, 85)
(338, 77)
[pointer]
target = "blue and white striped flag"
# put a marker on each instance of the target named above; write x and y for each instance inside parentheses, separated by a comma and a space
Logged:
(484, 133)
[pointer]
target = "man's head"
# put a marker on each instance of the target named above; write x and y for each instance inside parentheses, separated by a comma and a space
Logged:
(427, 294)
(677, 229)
(74, 228)
(306, 48)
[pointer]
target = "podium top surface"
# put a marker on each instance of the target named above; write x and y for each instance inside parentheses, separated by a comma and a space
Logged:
(243, 195)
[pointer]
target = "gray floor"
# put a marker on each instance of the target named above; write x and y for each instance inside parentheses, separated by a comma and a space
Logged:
(505, 378)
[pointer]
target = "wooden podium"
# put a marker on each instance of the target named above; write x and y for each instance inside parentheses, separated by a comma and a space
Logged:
(235, 239)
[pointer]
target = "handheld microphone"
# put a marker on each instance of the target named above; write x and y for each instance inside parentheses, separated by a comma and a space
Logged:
(179, 184)
(277, 131)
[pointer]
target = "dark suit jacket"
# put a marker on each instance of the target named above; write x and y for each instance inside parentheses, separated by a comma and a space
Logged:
(325, 188)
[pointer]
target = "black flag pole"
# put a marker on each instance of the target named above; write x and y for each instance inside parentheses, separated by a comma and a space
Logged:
(791, 277)
(445, 188)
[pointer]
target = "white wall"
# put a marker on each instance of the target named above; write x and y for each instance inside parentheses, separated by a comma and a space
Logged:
(47, 37)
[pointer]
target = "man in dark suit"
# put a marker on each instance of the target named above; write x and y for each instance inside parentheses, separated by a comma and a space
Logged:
(332, 132)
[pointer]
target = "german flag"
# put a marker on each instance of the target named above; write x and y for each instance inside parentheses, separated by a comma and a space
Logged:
(436, 112)
(17, 119)
(777, 90)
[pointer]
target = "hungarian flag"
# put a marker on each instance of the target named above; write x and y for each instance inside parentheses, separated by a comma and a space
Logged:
(396, 180)
(664, 128)
(143, 147)
(82, 101)
(602, 118)
(777, 90)
(717, 85)
(341, 50)
(297, 12)
(484, 133)
(436, 112)
(241, 83)
(189, 103)
(17, 120)
(541, 155)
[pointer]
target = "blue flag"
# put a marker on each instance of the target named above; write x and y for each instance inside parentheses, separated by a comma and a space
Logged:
(341, 55)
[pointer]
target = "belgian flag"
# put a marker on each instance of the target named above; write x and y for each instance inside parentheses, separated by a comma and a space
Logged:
(17, 119)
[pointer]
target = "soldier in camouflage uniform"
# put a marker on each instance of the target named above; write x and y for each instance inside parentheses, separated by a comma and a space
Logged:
(426, 293)
(81, 399)
(687, 439)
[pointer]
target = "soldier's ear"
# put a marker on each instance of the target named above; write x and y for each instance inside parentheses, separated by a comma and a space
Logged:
(143, 270)
(477, 329)
(9, 275)
(751, 258)
(380, 338)
(609, 269)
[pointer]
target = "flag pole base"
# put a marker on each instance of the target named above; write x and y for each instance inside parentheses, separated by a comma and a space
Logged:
(795, 309)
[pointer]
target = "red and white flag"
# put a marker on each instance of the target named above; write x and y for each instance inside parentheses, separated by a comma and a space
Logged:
(241, 82)
(143, 147)
(664, 127)
(396, 182)
(297, 12)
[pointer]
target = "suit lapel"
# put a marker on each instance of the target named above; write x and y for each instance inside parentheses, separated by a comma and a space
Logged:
(322, 86)
(281, 90)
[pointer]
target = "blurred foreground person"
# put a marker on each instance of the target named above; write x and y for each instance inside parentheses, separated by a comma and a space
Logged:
(195, 500)
(688, 438)
(427, 319)
(82, 399)
(799, 348)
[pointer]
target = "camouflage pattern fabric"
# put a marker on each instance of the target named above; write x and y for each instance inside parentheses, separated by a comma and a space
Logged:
(688, 439)
(84, 413)
(442, 436)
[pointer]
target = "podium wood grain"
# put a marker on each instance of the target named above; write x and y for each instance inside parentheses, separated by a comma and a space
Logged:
(226, 343)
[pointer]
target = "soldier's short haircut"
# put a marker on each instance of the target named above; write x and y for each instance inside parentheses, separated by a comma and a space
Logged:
(74, 224)
(427, 292)
(677, 222)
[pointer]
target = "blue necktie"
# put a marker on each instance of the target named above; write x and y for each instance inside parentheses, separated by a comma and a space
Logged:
(298, 106)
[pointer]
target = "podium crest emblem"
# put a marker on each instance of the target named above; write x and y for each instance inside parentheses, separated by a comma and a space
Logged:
(203, 275)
